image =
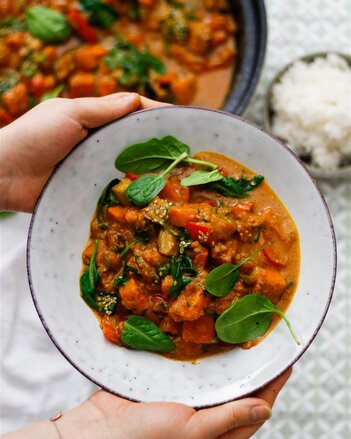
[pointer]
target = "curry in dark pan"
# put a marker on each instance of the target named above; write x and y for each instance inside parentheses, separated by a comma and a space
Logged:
(181, 52)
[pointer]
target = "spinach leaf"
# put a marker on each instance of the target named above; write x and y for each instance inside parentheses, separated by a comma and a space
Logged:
(106, 199)
(221, 280)
(201, 177)
(247, 319)
(182, 270)
(142, 237)
(122, 278)
(48, 25)
(5, 214)
(53, 93)
(9, 81)
(236, 187)
(143, 334)
(134, 11)
(144, 189)
(100, 14)
(150, 156)
(136, 65)
(13, 24)
(90, 279)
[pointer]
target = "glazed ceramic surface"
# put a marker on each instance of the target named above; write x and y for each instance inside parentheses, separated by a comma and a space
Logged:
(59, 232)
(344, 171)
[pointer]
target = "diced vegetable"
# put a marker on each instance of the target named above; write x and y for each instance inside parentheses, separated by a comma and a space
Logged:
(199, 232)
(167, 244)
(119, 191)
(190, 305)
(133, 297)
(117, 213)
(81, 27)
(81, 84)
(268, 282)
(173, 191)
(199, 331)
(180, 216)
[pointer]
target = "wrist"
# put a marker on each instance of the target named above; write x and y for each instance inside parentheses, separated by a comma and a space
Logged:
(82, 422)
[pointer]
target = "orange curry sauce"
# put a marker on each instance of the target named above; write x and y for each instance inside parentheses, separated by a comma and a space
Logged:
(222, 230)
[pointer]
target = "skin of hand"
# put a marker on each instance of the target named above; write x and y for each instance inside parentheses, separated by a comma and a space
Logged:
(35, 143)
(30, 148)
(105, 416)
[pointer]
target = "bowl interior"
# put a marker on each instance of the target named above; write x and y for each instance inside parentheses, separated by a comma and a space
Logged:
(59, 231)
(343, 171)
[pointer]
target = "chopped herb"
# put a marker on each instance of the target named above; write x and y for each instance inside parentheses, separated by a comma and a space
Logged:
(100, 14)
(136, 65)
(122, 278)
(107, 199)
(8, 82)
(236, 187)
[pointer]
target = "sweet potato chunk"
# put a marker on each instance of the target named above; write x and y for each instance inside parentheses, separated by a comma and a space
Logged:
(190, 305)
(133, 297)
(268, 282)
(199, 331)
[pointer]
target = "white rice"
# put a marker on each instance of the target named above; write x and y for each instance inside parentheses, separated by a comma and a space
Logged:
(312, 110)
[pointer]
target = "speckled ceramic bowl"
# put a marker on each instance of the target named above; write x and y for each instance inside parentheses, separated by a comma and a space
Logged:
(59, 231)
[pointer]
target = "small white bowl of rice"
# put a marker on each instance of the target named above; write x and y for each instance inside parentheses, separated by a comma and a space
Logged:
(308, 106)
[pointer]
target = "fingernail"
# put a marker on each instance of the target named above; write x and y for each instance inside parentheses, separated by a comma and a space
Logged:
(129, 97)
(260, 413)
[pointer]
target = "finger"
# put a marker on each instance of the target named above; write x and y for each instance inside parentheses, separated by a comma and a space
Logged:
(214, 422)
(94, 112)
(149, 103)
(269, 394)
(271, 391)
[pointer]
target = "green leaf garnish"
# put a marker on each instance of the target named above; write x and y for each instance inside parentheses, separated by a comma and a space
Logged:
(150, 156)
(201, 177)
(236, 187)
(221, 280)
(248, 319)
(143, 334)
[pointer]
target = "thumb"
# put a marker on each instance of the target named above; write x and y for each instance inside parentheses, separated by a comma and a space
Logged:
(94, 112)
(213, 422)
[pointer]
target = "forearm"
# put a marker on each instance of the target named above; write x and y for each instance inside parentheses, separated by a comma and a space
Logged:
(41, 430)
(82, 422)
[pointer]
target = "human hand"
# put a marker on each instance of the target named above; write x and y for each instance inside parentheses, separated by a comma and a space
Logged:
(32, 146)
(105, 416)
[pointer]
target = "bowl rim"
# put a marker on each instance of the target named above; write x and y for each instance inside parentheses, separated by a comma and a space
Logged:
(340, 173)
(167, 108)
(254, 45)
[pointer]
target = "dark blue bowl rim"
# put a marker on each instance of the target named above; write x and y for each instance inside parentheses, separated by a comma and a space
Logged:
(252, 51)
(332, 232)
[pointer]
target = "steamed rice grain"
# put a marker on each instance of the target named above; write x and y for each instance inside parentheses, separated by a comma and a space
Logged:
(312, 110)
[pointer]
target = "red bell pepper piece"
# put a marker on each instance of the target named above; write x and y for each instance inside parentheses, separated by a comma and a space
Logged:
(274, 252)
(132, 176)
(82, 27)
(37, 86)
(200, 232)
(5, 117)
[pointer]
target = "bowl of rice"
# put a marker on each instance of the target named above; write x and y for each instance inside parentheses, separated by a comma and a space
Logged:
(308, 106)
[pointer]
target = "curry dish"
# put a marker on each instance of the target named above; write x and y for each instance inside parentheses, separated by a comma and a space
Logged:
(170, 50)
(154, 262)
